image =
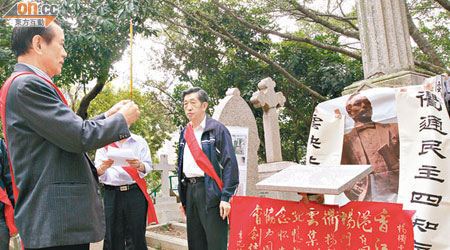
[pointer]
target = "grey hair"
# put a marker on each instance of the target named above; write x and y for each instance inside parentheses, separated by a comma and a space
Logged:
(202, 95)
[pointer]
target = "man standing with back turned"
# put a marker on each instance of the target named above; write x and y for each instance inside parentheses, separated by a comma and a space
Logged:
(58, 202)
(208, 174)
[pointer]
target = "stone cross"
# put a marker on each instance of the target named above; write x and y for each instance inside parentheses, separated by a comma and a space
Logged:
(269, 101)
(165, 168)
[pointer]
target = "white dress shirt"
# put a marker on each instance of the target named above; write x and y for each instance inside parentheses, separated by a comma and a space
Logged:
(190, 167)
(116, 175)
(38, 71)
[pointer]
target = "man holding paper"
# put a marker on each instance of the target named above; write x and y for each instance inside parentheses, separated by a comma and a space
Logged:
(121, 167)
(208, 174)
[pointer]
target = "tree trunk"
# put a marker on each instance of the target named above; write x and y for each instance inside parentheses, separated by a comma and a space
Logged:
(101, 80)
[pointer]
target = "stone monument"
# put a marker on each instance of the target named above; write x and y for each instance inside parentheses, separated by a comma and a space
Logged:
(385, 45)
(166, 206)
(269, 101)
(234, 111)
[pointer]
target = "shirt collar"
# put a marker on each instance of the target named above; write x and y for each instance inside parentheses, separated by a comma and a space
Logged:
(203, 123)
(365, 126)
(37, 71)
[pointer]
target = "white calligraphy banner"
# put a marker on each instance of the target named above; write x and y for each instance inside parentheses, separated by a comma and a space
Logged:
(424, 129)
(325, 139)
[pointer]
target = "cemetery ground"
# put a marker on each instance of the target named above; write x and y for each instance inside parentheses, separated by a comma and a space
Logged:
(169, 236)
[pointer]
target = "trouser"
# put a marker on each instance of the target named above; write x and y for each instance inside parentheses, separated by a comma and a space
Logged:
(71, 247)
(4, 232)
(126, 218)
(205, 228)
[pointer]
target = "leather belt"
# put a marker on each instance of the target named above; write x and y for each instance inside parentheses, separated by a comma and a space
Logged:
(194, 180)
(122, 188)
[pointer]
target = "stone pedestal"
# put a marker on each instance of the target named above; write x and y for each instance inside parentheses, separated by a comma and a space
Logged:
(166, 206)
(167, 209)
(402, 78)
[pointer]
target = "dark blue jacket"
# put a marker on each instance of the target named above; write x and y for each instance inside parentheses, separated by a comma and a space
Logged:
(218, 147)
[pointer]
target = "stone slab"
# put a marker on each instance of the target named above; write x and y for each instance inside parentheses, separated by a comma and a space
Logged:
(166, 242)
(164, 200)
(166, 212)
(274, 166)
(324, 179)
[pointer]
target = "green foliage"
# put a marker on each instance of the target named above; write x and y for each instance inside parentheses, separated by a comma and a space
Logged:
(97, 33)
(434, 23)
(154, 123)
(7, 58)
(218, 65)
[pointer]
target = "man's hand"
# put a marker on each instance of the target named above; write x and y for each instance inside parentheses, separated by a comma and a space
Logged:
(182, 210)
(136, 163)
(130, 112)
(225, 208)
(105, 165)
(116, 107)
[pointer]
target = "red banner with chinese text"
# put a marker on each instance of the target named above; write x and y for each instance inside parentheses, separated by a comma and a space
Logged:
(269, 224)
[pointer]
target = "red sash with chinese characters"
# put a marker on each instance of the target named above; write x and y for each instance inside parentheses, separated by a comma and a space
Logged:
(199, 156)
(9, 211)
(142, 184)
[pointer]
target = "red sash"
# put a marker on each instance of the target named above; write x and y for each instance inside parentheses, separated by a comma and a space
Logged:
(142, 184)
(199, 156)
(9, 211)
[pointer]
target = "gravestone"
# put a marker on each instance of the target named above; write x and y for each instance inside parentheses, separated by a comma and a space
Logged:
(269, 101)
(166, 206)
(385, 45)
(234, 111)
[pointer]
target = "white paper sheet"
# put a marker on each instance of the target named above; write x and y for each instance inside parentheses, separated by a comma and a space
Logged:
(120, 155)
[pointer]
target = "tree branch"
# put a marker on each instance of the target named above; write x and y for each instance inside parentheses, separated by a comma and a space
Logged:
(5, 6)
(423, 43)
(340, 18)
(232, 39)
(317, 19)
(444, 3)
(292, 37)
(431, 67)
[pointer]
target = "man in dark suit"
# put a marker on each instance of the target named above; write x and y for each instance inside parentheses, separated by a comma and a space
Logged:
(372, 143)
(58, 200)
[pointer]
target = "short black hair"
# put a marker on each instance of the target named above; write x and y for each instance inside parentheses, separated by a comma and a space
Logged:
(202, 95)
(22, 37)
